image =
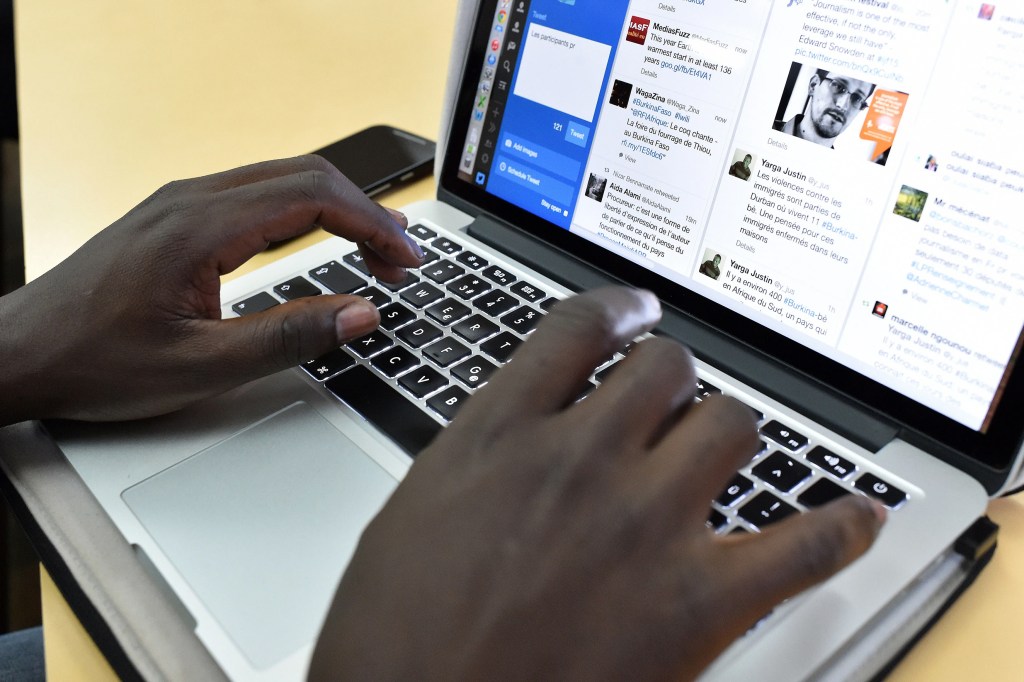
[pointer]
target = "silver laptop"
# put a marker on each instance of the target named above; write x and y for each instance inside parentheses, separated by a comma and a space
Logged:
(822, 194)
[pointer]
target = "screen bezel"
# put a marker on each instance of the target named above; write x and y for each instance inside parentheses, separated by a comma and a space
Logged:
(995, 448)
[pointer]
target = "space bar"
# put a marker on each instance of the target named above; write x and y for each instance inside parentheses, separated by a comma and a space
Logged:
(385, 408)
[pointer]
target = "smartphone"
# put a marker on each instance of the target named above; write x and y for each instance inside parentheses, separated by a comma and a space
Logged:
(381, 157)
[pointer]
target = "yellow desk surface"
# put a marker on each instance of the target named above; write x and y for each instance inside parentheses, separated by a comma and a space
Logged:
(117, 98)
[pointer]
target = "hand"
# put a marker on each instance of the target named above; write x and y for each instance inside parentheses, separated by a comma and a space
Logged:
(538, 538)
(129, 325)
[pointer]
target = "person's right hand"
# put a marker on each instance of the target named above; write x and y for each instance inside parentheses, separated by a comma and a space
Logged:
(543, 538)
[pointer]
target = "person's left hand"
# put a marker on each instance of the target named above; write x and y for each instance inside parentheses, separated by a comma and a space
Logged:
(129, 325)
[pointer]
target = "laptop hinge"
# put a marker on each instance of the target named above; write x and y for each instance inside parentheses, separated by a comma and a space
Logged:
(849, 419)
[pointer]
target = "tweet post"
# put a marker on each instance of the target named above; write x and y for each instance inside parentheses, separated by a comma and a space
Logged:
(672, 103)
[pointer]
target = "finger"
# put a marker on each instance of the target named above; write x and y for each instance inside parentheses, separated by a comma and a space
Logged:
(252, 215)
(653, 382)
(254, 172)
(241, 349)
(380, 267)
(266, 170)
(795, 554)
(578, 334)
(698, 455)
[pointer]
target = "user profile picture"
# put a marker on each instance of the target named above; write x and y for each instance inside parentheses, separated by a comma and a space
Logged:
(986, 11)
(621, 90)
(742, 164)
(595, 187)
(827, 108)
(880, 309)
(910, 203)
(711, 266)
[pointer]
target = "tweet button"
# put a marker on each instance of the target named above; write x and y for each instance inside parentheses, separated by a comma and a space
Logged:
(577, 134)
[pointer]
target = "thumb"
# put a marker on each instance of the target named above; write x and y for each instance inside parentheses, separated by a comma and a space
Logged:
(287, 335)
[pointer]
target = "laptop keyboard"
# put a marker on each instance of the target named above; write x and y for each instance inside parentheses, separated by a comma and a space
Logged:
(450, 324)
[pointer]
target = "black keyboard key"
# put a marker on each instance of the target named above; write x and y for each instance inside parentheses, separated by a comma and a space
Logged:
(386, 408)
(468, 286)
(429, 256)
(407, 281)
(442, 271)
(394, 361)
(355, 259)
(706, 388)
(821, 492)
(587, 388)
(475, 371)
(471, 260)
(446, 246)
(375, 296)
(499, 276)
(475, 328)
(766, 509)
(522, 321)
(501, 346)
(394, 315)
(328, 364)
(738, 487)
(716, 520)
(421, 295)
(448, 311)
(296, 288)
(418, 333)
(548, 304)
(445, 352)
(782, 435)
(423, 381)
(838, 466)
(886, 493)
(421, 232)
(337, 278)
(448, 402)
(603, 375)
(528, 291)
(782, 471)
(496, 303)
(255, 304)
(372, 343)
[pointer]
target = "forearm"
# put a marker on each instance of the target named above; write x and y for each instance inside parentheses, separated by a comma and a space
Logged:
(24, 378)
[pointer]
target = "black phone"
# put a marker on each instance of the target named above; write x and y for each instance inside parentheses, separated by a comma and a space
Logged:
(381, 157)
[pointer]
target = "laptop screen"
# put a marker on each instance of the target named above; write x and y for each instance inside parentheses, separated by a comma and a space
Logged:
(845, 173)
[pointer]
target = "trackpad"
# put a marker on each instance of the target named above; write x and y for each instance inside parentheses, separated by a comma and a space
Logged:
(262, 525)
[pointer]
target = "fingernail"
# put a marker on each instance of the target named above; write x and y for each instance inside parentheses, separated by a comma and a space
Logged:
(356, 319)
(880, 513)
(416, 249)
(403, 220)
(652, 306)
(877, 509)
(397, 215)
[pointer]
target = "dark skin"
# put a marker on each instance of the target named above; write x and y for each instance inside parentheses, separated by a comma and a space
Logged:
(535, 538)
(567, 540)
(142, 298)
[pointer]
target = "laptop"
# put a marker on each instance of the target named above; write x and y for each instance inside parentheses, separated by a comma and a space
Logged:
(822, 196)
